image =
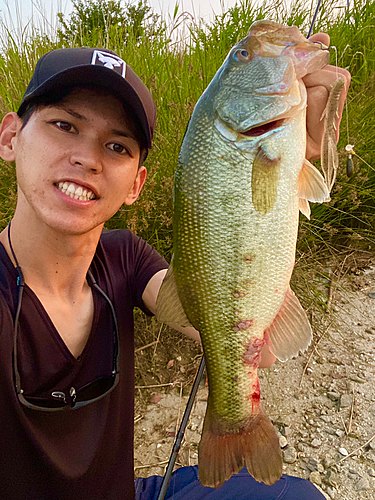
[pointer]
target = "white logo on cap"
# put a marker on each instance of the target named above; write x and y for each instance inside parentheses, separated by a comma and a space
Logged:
(111, 61)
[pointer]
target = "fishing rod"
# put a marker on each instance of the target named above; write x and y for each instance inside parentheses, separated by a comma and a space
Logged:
(314, 18)
(189, 406)
(181, 432)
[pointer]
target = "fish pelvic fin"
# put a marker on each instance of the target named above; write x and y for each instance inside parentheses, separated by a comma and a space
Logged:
(311, 184)
(290, 331)
(225, 449)
(304, 207)
(169, 308)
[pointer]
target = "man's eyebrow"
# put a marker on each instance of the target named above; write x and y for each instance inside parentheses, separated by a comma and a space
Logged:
(123, 133)
(73, 113)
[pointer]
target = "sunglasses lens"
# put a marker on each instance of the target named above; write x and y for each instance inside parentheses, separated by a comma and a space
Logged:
(95, 389)
(44, 402)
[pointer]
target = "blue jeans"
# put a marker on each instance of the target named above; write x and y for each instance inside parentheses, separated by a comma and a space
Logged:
(185, 485)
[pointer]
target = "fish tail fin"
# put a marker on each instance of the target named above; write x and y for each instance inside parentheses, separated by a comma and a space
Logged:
(223, 450)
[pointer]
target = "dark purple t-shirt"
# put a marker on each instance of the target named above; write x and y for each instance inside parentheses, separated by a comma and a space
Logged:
(86, 452)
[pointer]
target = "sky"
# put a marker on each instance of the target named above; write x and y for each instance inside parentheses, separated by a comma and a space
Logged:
(15, 14)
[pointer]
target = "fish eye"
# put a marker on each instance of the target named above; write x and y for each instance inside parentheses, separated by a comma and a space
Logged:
(241, 55)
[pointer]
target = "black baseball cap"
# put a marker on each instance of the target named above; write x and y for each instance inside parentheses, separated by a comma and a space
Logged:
(67, 68)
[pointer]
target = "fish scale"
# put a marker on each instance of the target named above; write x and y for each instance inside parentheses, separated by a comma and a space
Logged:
(240, 183)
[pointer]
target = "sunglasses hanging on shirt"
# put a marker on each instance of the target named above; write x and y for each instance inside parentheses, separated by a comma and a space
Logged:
(75, 397)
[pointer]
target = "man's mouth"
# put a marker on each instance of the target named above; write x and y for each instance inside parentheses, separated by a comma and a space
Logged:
(76, 191)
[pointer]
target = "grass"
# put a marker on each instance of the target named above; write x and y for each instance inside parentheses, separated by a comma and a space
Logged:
(177, 71)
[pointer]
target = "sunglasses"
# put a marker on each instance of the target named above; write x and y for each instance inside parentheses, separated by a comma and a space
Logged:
(76, 397)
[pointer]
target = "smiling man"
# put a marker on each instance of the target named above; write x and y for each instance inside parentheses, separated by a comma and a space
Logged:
(68, 288)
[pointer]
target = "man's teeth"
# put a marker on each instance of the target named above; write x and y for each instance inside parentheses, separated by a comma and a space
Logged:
(76, 192)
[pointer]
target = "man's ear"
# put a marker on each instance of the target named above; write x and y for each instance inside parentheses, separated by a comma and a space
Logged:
(10, 125)
(137, 186)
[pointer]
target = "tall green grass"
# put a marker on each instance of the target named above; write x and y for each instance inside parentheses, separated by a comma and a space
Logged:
(177, 69)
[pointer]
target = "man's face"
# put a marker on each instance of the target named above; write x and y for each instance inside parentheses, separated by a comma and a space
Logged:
(77, 162)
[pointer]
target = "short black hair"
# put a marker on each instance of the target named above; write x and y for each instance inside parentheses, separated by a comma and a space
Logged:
(53, 98)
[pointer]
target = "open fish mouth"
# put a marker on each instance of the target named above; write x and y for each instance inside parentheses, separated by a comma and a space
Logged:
(258, 130)
(263, 128)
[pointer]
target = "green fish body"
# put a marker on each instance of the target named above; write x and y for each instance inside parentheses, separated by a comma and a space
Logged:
(241, 180)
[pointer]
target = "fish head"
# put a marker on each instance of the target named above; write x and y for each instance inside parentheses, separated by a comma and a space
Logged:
(259, 84)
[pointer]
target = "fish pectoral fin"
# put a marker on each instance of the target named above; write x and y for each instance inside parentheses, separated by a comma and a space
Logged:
(311, 184)
(169, 308)
(304, 207)
(223, 450)
(265, 180)
(290, 331)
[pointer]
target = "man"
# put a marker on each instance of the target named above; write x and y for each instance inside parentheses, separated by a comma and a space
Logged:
(67, 290)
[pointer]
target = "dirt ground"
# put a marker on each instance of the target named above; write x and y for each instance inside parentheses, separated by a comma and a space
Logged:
(322, 403)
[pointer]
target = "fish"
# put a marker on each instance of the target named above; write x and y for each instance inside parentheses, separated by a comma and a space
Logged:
(241, 180)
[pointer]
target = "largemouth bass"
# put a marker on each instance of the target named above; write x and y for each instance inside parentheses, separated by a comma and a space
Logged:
(241, 180)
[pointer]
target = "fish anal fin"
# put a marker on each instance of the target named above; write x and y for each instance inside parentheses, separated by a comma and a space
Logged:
(290, 331)
(311, 184)
(223, 451)
(169, 308)
(264, 181)
(304, 207)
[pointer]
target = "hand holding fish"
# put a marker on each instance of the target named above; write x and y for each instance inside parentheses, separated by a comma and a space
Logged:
(318, 86)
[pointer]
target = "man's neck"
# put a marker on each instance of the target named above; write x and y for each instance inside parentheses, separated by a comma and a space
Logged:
(52, 263)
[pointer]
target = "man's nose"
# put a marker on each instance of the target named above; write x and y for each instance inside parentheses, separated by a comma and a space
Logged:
(88, 155)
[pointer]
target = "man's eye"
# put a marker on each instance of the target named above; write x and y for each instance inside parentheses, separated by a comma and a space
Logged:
(117, 148)
(67, 127)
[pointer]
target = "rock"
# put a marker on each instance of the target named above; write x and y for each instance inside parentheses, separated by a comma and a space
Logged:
(340, 433)
(333, 395)
(283, 442)
(301, 447)
(331, 492)
(330, 430)
(325, 418)
(363, 484)
(327, 462)
(316, 443)
(371, 472)
(312, 465)
(357, 379)
(352, 476)
(330, 479)
(320, 468)
(346, 401)
(349, 386)
(343, 452)
(290, 455)
(372, 444)
(315, 478)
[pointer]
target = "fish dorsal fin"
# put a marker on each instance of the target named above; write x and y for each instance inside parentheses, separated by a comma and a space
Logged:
(304, 207)
(290, 331)
(169, 309)
(311, 184)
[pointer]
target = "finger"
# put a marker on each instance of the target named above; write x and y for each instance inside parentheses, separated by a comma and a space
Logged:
(325, 78)
(317, 100)
(320, 37)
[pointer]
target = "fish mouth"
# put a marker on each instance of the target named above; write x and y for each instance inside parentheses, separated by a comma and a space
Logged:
(263, 128)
